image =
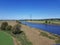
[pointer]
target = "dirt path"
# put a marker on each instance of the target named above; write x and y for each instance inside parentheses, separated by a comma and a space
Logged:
(33, 35)
(16, 42)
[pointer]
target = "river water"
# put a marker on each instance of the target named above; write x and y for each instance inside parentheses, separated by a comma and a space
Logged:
(55, 29)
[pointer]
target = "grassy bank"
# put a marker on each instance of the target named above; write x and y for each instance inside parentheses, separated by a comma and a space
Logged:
(5, 39)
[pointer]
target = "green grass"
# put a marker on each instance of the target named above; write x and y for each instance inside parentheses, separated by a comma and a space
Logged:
(5, 39)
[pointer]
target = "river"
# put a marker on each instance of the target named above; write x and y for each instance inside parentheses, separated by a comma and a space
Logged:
(55, 29)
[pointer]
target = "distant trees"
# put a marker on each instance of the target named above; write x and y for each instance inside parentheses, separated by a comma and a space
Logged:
(4, 25)
(46, 21)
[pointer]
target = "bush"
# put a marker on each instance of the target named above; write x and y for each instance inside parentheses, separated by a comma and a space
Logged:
(57, 41)
(51, 37)
(16, 29)
(9, 27)
(44, 34)
(46, 21)
(18, 21)
(4, 25)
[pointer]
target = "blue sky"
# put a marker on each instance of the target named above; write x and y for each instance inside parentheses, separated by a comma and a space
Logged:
(24, 9)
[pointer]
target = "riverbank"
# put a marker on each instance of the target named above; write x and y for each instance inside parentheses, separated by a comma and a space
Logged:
(34, 36)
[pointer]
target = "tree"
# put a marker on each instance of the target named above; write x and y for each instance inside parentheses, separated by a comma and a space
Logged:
(4, 25)
(46, 21)
(16, 29)
(9, 27)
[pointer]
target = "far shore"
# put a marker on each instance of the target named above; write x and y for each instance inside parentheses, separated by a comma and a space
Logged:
(43, 22)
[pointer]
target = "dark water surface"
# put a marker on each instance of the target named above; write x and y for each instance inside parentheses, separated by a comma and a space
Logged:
(55, 29)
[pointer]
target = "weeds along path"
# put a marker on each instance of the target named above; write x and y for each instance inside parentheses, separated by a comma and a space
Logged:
(16, 42)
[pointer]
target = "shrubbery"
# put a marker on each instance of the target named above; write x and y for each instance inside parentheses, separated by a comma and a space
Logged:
(16, 29)
(9, 27)
(46, 21)
(18, 22)
(4, 25)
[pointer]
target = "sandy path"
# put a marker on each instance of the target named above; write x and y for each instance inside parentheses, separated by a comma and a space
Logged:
(33, 35)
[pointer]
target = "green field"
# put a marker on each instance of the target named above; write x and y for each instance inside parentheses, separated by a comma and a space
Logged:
(5, 39)
(37, 21)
